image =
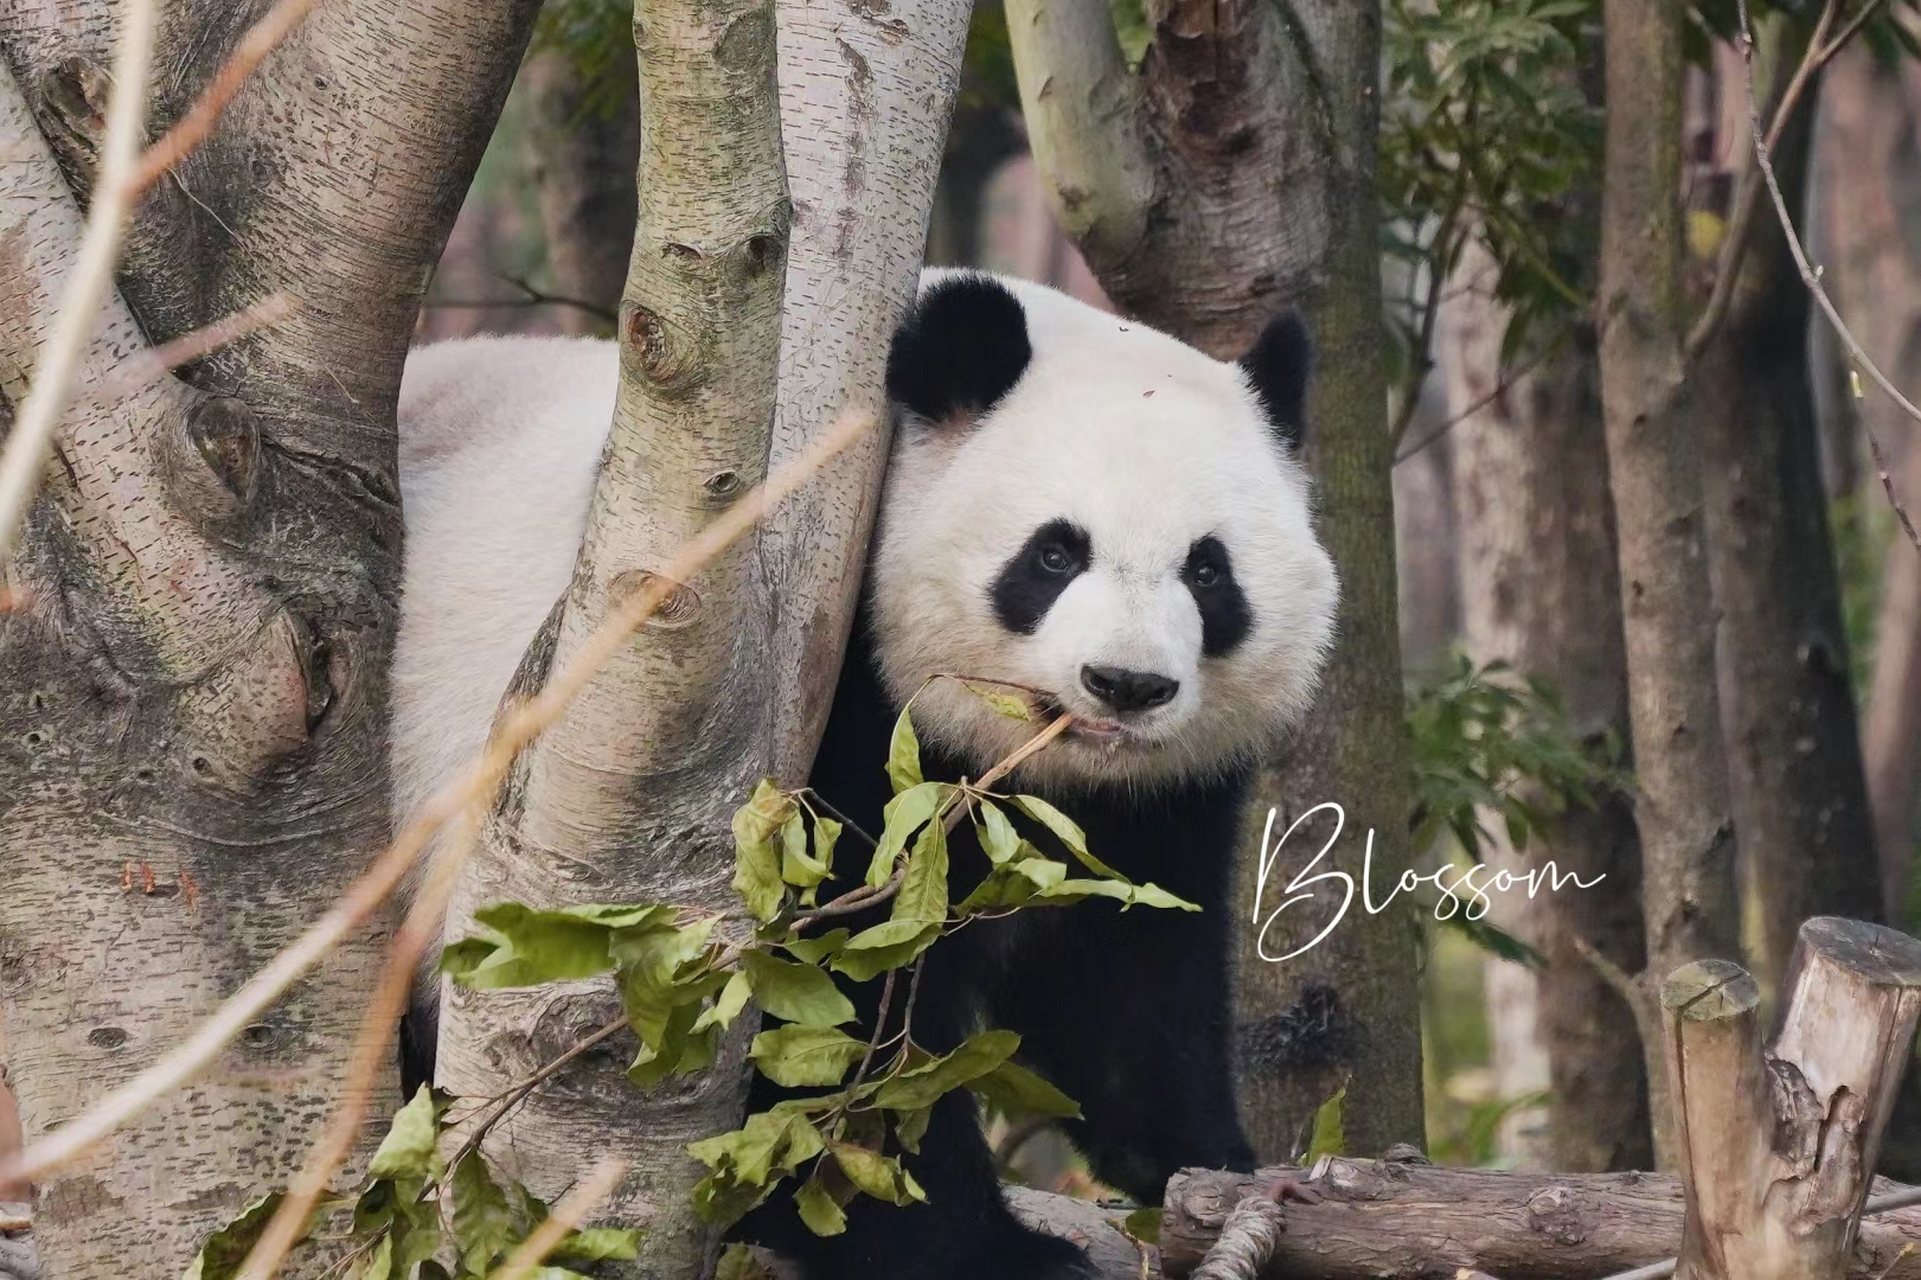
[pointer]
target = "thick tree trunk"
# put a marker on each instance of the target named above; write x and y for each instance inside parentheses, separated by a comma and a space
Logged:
(636, 789)
(192, 699)
(1799, 796)
(669, 737)
(1235, 175)
(580, 144)
(1654, 458)
(1540, 588)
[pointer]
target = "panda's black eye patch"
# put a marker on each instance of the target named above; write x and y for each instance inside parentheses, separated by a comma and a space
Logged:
(1034, 577)
(1225, 617)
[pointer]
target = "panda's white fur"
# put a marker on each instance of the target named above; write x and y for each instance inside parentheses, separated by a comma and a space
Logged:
(500, 440)
(1148, 445)
(1140, 439)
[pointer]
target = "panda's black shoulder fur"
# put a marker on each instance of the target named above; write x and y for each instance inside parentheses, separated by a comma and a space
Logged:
(1278, 367)
(962, 346)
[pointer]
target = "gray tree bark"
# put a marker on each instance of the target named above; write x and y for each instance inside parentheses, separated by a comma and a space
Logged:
(1235, 174)
(192, 696)
(581, 145)
(1541, 591)
(1654, 456)
(633, 793)
(1872, 211)
(1799, 793)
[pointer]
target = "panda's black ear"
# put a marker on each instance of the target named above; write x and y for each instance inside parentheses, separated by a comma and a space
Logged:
(961, 348)
(1277, 368)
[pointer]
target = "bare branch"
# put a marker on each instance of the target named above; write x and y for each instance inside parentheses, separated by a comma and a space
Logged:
(1081, 105)
(261, 39)
(92, 276)
(1510, 378)
(517, 729)
(1812, 279)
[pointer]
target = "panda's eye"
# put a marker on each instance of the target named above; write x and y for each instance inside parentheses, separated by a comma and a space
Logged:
(1056, 559)
(1206, 574)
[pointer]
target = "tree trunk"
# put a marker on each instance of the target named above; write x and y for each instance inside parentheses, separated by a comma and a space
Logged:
(580, 145)
(192, 698)
(1799, 797)
(1873, 216)
(1540, 588)
(1654, 459)
(636, 789)
(1235, 175)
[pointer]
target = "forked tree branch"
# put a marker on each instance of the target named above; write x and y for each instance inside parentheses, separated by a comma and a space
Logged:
(521, 726)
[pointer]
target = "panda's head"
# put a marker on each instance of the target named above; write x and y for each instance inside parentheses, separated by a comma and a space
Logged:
(1083, 505)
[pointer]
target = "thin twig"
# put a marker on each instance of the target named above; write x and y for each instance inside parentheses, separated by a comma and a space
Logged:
(92, 276)
(566, 1216)
(821, 802)
(517, 729)
(1812, 279)
(192, 128)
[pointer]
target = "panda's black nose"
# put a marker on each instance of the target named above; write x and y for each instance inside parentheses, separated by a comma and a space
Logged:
(1125, 690)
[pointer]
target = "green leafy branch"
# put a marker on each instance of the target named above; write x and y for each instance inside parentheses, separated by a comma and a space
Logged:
(418, 1216)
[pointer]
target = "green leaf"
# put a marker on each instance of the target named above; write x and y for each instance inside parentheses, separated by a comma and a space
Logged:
(797, 866)
(911, 1126)
(757, 863)
(408, 1153)
(816, 949)
(1013, 1090)
(600, 1244)
(673, 1048)
(1329, 1138)
(1128, 895)
(795, 1055)
(887, 945)
(484, 1225)
(904, 815)
(223, 1252)
(530, 947)
(770, 1142)
(732, 999)
(998, 839)
(1144, 1225)
(737, 1262)
(1068, 832)
(922, 1086)
(799, 993)
(903, 755)
(923, 890)
(879, 1176)
(1015, 884)
(818, 1210)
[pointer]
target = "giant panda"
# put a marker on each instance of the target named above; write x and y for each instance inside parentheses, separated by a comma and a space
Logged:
(1075, 503)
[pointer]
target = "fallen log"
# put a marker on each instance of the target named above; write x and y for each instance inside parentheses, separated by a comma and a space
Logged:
(1405, 1220)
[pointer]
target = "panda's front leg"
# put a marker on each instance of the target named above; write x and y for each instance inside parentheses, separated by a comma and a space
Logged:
(1131, 1017)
